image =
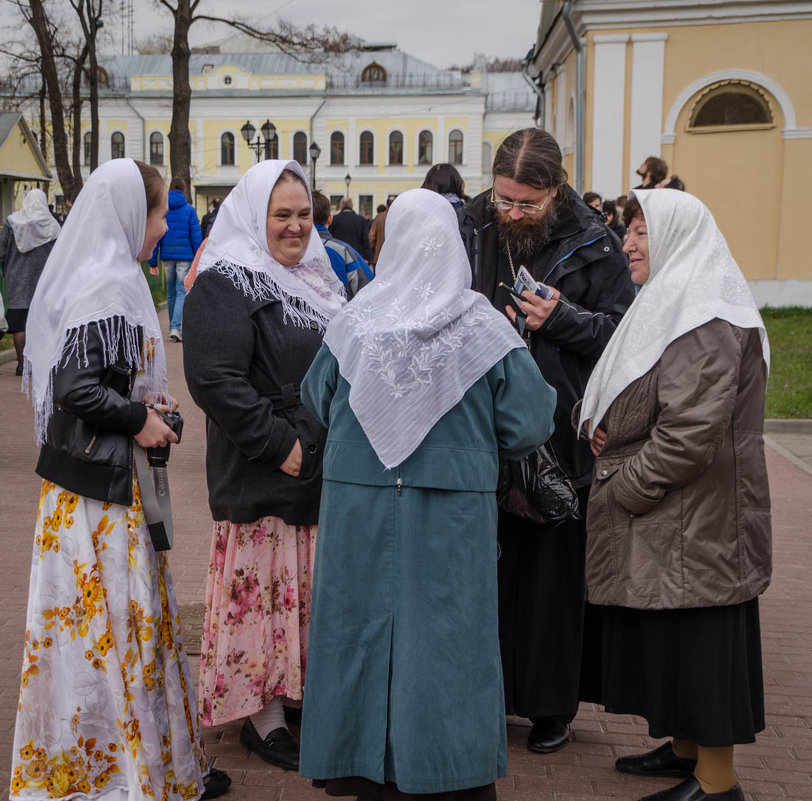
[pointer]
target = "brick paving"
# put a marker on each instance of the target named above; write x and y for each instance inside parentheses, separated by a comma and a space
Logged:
(778, 767)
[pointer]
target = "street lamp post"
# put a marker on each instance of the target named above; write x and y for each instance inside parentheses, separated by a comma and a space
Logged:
(348, 181)
(260, 143)
(315, 152)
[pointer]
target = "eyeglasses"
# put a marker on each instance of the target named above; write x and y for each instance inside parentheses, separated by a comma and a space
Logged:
(525, 208)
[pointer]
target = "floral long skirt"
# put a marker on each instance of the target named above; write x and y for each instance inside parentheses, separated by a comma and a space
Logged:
(106, 707)
(257, 617)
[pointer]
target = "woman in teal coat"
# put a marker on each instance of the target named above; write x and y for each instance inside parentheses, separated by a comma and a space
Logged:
(422, 385)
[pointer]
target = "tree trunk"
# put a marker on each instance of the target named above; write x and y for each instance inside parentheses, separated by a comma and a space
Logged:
(180, 141)
(71, 184)
(92, 30)
(43, 139)
(78, 139)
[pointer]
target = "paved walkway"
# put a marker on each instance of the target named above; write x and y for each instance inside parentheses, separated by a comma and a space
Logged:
(776, 768)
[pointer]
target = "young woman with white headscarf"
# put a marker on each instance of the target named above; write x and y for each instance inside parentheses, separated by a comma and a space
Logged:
(26, 241)
(422, 384)
(104, 708)
(253, 322)
(678, 521)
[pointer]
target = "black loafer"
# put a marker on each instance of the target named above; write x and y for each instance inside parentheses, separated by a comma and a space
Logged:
(547, 736)
(278, 748)
(691, 790)
(216, 783)
(661, 761)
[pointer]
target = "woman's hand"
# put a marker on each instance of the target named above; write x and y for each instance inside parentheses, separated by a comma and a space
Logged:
(535, 307)
(154, 271)
(293, 464)
(155, 433)
(598, 441)
(173, 404)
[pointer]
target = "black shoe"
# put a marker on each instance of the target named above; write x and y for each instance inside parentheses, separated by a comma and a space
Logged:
(293, 715)
(279, 748)
(216, 783)
(19, 370)
(548, 735)
(690, 790)
(661, 761)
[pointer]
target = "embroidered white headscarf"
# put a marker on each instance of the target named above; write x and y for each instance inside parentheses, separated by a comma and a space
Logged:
(693, 279)
(93, 275)
(238, 248)
(414, 340)
(33, 224)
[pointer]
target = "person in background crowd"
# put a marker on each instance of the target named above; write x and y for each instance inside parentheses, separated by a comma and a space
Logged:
(420, 392)
(177, 248)
(377, 233)
(680, 498)
(652, 171)
(531, 218)
(351, 228)
(348, 265)
(269, 285)
(209, 218)
(446, 181)
(106, 704)
(620, 202)
(674, 182)
(613, 223)
(592, 199)
(53, 213)
(26, 241)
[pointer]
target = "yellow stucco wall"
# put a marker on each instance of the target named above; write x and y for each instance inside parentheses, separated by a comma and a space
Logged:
(16, 155)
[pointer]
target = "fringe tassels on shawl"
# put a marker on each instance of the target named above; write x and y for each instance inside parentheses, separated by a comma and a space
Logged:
(260, 286)
(120, 339)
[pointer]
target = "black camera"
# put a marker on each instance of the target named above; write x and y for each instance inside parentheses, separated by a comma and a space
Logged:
(158, 457)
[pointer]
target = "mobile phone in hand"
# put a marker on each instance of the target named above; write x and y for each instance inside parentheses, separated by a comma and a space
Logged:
(526, 281)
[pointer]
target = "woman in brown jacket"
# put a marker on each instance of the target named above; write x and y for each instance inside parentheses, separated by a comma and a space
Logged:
(678, 520)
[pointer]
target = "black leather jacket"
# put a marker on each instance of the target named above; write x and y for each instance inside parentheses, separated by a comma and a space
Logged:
(89, 447)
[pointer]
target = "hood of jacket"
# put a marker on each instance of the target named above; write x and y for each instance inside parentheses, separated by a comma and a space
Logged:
(176, 199)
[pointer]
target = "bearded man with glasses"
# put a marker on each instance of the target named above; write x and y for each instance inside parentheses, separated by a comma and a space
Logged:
(531, 217)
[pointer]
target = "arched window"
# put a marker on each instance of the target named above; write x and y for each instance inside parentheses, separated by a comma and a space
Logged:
(117, 145)
(300, 147)
(425, 145)
(487, 156)
(396, 147)
(373, 73)
(366, 144)
(336, 147)
(731, 104)
(156, 148)
(86, 148)
(455, 147)
(227, 149)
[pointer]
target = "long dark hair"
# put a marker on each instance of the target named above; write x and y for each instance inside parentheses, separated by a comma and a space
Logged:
(531, 156)
(445, 180)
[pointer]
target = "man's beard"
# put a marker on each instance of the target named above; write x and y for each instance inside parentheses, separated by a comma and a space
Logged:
(527, 236)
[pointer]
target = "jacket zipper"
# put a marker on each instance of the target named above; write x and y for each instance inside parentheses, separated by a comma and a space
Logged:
(90, 444)
(399, 485)
(583, 245)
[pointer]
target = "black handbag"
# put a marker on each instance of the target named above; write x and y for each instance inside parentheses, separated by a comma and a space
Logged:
(536, 488)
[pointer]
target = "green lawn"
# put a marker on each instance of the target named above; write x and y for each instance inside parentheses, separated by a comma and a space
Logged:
(789, 393)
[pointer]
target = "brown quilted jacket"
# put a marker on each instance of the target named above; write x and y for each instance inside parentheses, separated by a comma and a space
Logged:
(679, 510)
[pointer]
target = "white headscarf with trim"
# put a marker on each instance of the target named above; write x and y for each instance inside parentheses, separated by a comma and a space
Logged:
(93, 276)
(414, 340)
(33, 224)
(238, 248)
(693, 279)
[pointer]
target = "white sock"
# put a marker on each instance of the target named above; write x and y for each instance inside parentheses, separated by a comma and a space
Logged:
(269, 717)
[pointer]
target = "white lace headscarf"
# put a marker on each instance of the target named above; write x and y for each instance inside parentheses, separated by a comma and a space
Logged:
(93, 276)
(237, 247)
(415, 339)
(33, 224)
(693, 279)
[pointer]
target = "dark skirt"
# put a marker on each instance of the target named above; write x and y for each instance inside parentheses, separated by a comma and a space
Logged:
(691, 673)
(16, 319)
(365, 788)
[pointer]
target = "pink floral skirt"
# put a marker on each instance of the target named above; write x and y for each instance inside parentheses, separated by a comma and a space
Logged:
(257, 617)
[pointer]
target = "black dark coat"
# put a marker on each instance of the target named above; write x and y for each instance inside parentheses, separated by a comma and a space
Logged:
(244, 366)
(352, 228)
(89, 447)
(586, 263)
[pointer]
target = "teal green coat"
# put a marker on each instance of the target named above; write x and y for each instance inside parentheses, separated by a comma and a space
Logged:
(404, 677)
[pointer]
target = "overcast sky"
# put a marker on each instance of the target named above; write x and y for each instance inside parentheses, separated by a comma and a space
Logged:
(442, 32)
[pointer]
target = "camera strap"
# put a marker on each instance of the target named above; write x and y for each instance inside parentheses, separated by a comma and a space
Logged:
(155, 501)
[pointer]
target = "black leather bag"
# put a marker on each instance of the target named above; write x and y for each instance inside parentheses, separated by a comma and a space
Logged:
(536, 488)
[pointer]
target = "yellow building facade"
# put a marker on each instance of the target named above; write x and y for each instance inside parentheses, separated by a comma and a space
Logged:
(379, 117)
(720, 91)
